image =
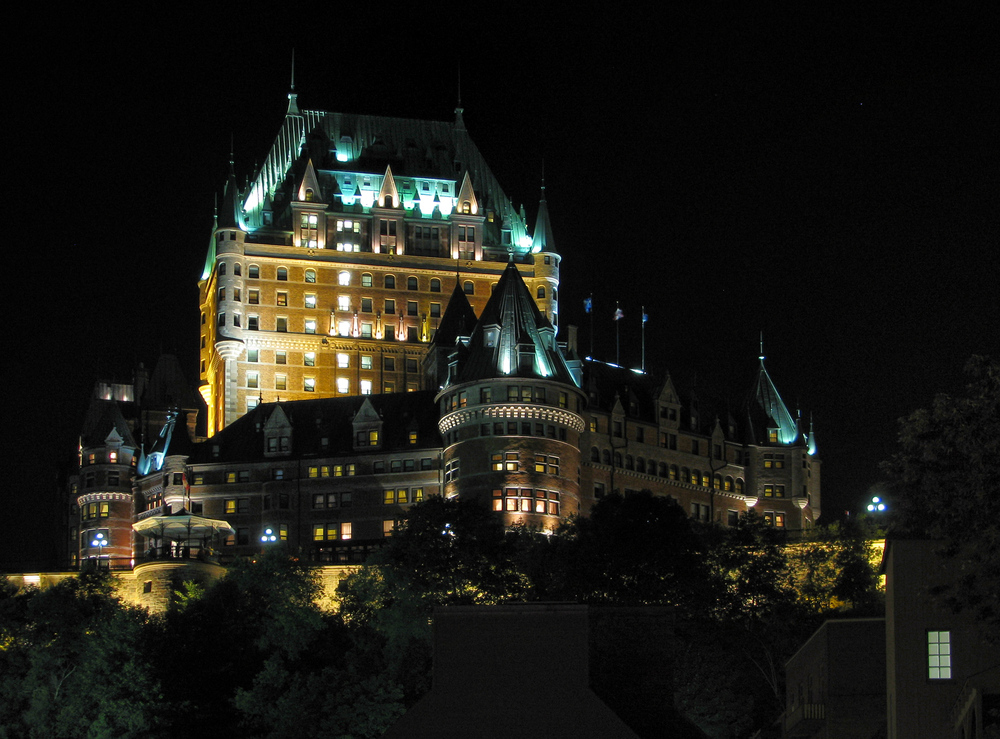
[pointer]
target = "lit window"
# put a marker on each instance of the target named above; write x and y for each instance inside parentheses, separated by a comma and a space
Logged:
(282, 299)
(310, 275)
(344, 278)
(253, 379)
(309, 384)
(939, 655)
(343, 385)
(310, 325)
(388, 526)
(310, 300)
(281, 382)
(280, 357)
(366, 361)
(309, 359)
(366, 387)
(344, 328)
(253, 355)
(343, 302)
(366, 280)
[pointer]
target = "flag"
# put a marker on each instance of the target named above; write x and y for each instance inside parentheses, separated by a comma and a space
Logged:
(619, 314)
(645, 316)
(588, 305)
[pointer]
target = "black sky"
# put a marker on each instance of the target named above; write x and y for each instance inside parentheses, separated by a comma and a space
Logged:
(826, 177)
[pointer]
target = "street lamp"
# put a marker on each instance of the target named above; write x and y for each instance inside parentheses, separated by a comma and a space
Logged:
(877, 505)
(99, 541)
(268, 537)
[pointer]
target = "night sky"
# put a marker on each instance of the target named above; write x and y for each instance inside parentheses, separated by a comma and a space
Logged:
(825, 178)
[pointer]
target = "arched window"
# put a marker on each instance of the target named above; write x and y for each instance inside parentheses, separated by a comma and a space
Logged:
(640, 464)
(470, 289)
(705, 480)
(618, 459)
(663, 469)
(237, 269)
(309, 195)
(253, 271)
(435, 285)
(390, 282)
(222, 269)
(717, 482)
(466, 207)
(595, 455)
(411, 283)
(344, 278)
(282, 273)
(674, 472)
(685, 474)
(629, 462)
(555, 294)
(541, 292)
(366, 279)
(606, 456)
(389, 202)
(739, 486)
(728, 485)
(310, 275)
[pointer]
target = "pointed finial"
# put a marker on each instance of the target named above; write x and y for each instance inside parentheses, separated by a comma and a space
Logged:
(761, 356)
(293, 102)
(459, 122)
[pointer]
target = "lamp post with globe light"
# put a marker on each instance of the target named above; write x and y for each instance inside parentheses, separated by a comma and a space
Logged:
(100, 541)
(877, 505)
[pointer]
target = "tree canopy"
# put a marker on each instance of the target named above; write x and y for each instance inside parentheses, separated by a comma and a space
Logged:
(945, 481)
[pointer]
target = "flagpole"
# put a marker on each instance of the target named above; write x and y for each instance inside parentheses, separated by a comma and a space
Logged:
(642, 322)
(588, 307)
(617, 332)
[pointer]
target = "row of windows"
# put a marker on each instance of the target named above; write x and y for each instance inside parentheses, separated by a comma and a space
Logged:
(515, 394)
(333, 470)
(345, 279)
(111, 478)
(112, 457)
(526, 500)
(95, 510)
(511, 462)
(344, 327)
(673, 472)
(332, 531)
(668, 440)
(402, 496)
(343, 304)
(332, 500)
(509, 428)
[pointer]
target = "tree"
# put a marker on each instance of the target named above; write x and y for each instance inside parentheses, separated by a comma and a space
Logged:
(76, 663)
(945, 484)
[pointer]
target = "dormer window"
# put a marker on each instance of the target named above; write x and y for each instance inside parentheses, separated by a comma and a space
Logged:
(309, 195)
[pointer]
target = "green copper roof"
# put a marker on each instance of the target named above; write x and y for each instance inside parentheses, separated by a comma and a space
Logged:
(767, 409)
(513, 338)
(542, 239)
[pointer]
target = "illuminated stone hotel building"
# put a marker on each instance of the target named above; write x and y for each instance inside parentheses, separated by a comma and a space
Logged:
(379, 324)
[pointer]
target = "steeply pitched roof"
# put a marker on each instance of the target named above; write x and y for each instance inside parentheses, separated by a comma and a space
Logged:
(542, 238)
(102, 417)
(332, 419)
(459, 319)
(766, 410)
(513, 338)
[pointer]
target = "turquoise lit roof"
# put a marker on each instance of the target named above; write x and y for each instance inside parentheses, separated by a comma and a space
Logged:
(513, 338)
(768, 411)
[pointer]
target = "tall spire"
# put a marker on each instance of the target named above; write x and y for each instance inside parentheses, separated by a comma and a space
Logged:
(542, 238)
(459, 122)
(293, 97)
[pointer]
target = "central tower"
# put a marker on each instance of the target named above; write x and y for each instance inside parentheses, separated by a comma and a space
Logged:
(325, 275)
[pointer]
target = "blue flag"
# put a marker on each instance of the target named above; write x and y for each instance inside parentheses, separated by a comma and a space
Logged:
(588, 305)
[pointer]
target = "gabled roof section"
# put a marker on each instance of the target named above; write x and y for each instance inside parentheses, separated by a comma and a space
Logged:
(325, 427)
(513, 338)
(104, 420)
(766, 410)
(467, 195)
(309, 190)
(388, 190)
(231, 214)
(542, 238)
(459, 319)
